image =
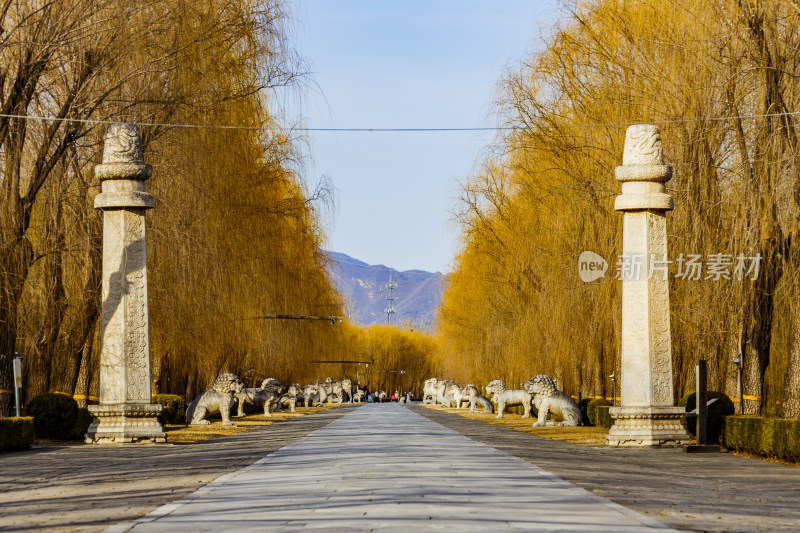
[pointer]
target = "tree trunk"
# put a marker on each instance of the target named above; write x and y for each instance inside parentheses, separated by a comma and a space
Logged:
(791, 386)
(15, 258)
(84, 380)
(758, 315)
(43, 350)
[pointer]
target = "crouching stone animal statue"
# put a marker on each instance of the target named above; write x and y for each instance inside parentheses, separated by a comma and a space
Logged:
(266, 395)
(476, 398)
(313, 395)
(337, 392)
(347, 387)
(549, 399)
(327, 386)
(429, 390)
(504, 397)
(219, 399)
(290, 398)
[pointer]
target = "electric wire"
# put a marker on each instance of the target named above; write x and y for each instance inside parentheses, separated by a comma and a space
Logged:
(398, 130)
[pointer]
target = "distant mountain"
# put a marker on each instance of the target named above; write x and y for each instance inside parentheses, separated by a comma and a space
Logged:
(418, 292)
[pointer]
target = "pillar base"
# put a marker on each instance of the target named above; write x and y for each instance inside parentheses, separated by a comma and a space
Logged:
(647, 427)
(126, 423)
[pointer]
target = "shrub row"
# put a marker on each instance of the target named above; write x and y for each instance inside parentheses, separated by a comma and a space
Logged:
(512, 409)
(768, 437)
(57, 416)
(583, 406)
(16, 433)
(603, 417)
(717, 412)
(174, 408)
(593, 408)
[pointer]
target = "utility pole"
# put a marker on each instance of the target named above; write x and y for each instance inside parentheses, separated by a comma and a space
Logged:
(390, 298)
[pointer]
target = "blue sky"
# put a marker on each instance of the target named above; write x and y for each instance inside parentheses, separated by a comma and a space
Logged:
(404, 64)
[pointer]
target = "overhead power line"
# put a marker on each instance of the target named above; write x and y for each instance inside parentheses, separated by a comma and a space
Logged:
(332, 319)
(396, 130)
(344, 361)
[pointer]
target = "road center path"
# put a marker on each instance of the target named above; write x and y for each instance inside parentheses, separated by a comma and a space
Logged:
(383, 467)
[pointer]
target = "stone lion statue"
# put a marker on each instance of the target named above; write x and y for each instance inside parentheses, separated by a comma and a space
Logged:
(289, 399)
(358, 396)
(266, 395)
(504, 398)
(320, 388)
(347, 387)
(475, 398)
(429, 390)
(313, 395)
(327, 386)
(219, 399)
(337, 392)
(551, 400)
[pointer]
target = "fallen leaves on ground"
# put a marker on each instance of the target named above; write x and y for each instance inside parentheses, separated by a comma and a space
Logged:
(190, 434)
(586, 435)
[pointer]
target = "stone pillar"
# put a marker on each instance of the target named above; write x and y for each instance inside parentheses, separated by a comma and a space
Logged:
(125, 413)
(646, 416)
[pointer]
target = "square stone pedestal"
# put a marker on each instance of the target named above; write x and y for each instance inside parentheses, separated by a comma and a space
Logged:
(647, 426)
(131, 423)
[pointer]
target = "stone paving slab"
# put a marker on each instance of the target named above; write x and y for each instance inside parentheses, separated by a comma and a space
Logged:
(689, 492)
(385, 468)
(86, 488)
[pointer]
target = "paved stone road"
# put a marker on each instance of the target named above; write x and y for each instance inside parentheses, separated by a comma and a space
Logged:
(385, 468)
(87, 488)
(690, 492)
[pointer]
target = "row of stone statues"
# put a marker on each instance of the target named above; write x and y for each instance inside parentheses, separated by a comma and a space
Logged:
(539, 391)
(380, 396)
(228, 391)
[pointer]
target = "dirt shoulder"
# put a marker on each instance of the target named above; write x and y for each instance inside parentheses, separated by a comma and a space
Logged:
(690, 492)
(592, 436)
(87, 488)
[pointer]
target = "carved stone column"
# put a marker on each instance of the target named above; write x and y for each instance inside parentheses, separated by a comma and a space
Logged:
(646, 416)
(125, 413)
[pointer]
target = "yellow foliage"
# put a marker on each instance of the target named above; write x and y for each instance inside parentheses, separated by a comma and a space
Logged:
(515, 306)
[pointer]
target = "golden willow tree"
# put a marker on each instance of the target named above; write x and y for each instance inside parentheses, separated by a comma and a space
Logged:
(400, 359)
(516, 307)
(234, 235)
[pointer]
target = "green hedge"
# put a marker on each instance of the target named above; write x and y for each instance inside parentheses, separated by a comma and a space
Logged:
(16, 433)
(603, 417)
(717, 412)
(512, 409)
(54, 415)
(592, 410)
(174, 408)
(82, 422)
(768, 437)
(584, 406)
